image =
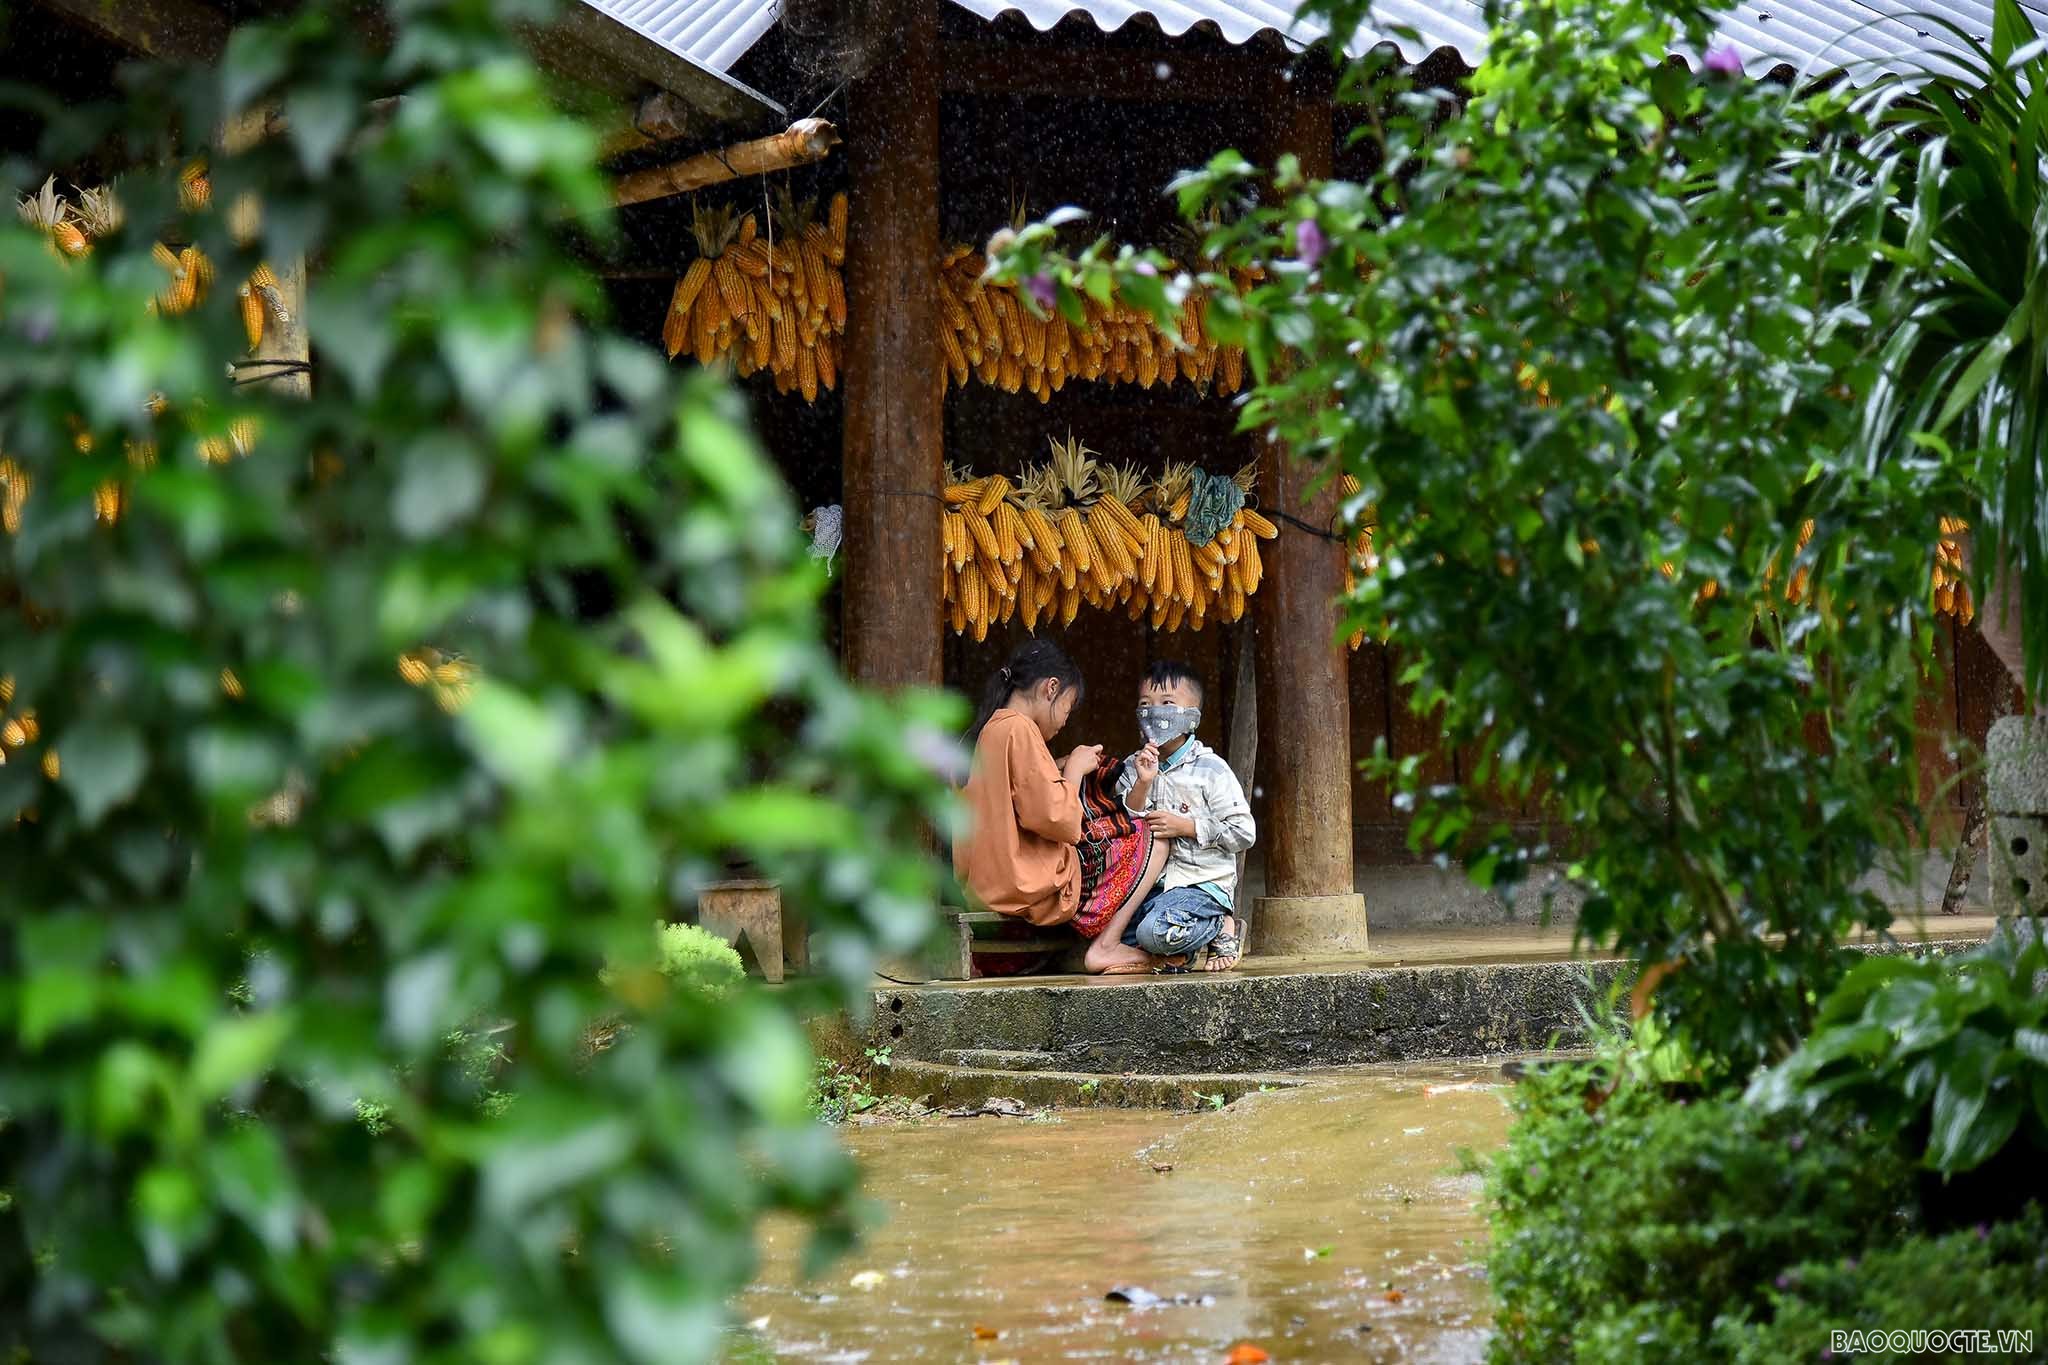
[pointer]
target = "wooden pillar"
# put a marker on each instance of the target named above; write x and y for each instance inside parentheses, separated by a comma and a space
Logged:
(1304, 694)
(894, 377)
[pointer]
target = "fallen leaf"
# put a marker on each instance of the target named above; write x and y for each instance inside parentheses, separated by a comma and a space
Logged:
(868, 1281)
(983, 1332)
(1395, 1296)
(1244, 1353)
(1162, 1167)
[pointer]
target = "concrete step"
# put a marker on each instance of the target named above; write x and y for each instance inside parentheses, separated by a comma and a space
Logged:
(1238, 1024)
(944, 1086)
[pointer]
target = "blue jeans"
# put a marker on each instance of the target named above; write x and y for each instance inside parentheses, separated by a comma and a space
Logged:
(1170, 923)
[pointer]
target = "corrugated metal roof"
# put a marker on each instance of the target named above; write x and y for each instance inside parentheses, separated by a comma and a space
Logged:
(711, 33)
(1862, 37)
(1810, 36)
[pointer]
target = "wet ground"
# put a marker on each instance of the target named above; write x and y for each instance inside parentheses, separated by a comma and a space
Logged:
(1329, 1223)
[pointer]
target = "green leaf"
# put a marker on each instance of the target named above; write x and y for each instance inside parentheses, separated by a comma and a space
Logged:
(441, 484)
(237, 1048)
(520, 740)
(103, 766)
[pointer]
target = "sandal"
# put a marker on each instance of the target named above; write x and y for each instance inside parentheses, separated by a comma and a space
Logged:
(1226, 948)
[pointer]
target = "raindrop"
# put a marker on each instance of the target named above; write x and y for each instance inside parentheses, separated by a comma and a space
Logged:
(1258, 791)
(1163, 71)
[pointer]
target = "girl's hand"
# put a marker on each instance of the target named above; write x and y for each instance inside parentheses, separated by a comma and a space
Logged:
(1083, 760)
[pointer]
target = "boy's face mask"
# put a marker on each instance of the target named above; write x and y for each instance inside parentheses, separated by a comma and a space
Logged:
(1161, 725)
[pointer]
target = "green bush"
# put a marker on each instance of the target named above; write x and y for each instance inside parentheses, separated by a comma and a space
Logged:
(1625, 1225)
(1992, 1278)
(697, 959)
(1953, 1052)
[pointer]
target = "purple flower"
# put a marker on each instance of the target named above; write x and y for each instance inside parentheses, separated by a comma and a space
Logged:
(1797, 1142)
(1724, 60)
(1147, 269)
(1784, 1282)
(1042, 290)
(1827, 1353)
(1983, 1231)
(1309, 242)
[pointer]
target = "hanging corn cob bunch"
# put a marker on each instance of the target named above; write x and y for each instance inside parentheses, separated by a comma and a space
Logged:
(774, 302)
(1951, 590)
(1069, 532)
(987, 333)
(48, 213)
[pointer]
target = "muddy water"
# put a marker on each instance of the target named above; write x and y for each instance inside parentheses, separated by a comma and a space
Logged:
(1323, 1224)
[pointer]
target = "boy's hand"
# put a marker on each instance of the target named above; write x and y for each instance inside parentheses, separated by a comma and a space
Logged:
(1170, 824)
(1146, 764)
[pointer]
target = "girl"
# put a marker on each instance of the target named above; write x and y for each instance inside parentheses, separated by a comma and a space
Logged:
(1049, 842)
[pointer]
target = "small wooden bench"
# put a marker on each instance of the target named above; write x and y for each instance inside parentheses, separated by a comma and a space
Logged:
(962, 942)
(749, 913)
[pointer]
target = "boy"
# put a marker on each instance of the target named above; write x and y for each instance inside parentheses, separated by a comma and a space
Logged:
(1187, 793)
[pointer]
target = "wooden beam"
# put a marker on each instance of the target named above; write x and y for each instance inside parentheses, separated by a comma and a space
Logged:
(973, 68)
(804, 141)
(893, 370)
(169, 30)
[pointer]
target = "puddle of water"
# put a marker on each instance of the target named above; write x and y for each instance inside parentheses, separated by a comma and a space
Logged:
(1020, 1228)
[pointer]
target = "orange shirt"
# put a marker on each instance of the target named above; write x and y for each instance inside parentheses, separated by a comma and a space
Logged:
(1024, 819)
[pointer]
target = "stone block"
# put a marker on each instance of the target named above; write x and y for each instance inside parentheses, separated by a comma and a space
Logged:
(2019, 865)
(1308, 926)
(2016, 766)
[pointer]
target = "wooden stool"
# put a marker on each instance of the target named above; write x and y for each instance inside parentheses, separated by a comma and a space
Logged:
(751, 911)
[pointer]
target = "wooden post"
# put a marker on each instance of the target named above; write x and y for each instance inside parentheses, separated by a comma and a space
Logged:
(894, 375)
(1304, 694)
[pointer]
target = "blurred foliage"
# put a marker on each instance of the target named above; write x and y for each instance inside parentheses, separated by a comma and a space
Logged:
(1587, 344)
(271, 876)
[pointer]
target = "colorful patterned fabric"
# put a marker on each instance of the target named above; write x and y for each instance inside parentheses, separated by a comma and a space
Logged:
(1113, 850)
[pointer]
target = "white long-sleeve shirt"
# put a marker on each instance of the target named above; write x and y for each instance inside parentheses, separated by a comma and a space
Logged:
(1197, 783)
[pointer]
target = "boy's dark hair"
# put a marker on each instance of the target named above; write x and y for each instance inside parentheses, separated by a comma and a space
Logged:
(1033, 662)
(1167, 672)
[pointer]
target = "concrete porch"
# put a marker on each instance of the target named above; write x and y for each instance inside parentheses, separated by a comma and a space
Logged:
(1422, 993)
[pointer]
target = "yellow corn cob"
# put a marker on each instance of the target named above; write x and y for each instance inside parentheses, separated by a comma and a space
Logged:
(956, 358)
(1112, 565)
(1233, 601)
(1124, 517)
(963, 494)
(732, 287)
(971, 590)
(1231, 365)
(807, 372)
(835, 298)
(1080, 546)
(987, 547)
(828, 362)
(1250, 567)
(1183, 567)
(1004, 523)
(835, 219)
(1149, 555)
(253, 313)
(985, 320)
(1048, 589)
(1179, 510)
(1070, 604)
(956, 615)
(1176, 613)
(994, 489)
(782, 337)
(1165, 578)
(1258, 525)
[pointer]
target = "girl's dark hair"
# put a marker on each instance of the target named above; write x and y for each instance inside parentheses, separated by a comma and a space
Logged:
(1033, 662)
